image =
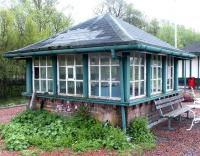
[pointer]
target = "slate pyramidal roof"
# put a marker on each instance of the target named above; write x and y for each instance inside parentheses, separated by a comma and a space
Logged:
(193, 47)
(102, 31)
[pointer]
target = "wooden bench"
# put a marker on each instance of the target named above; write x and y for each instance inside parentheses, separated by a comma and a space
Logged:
(171, 107)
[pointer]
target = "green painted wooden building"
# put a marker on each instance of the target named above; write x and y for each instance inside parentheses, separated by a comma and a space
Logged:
(114, 68)
(190, 68)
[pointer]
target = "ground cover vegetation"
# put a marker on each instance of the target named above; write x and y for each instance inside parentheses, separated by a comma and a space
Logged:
(81, 132)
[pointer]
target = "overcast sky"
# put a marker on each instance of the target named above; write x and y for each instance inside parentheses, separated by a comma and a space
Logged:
(187, 12)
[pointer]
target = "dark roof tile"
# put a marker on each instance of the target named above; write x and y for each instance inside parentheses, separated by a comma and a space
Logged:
(100, 30)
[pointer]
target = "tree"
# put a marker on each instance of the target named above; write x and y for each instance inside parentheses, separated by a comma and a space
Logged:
(121, 9)
(153, 27)
(25, 22)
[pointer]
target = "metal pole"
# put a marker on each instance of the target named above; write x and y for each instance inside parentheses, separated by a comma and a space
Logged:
(184, 74)
(123, 112)
(175, 26)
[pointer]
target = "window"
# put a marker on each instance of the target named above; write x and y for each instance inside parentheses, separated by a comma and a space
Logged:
(156, 74)
(70, 74)
(42, 74)
(170, 73)
(137, 75)
(104, 76)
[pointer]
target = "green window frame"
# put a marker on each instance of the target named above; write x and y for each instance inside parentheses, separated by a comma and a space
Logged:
(42, 74)
(104, 76)
(156, 78)
(137, 75)
(70, 75)
(170, 73)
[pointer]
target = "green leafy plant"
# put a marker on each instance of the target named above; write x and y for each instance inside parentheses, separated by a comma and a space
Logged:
(48, 131)
(140, 132)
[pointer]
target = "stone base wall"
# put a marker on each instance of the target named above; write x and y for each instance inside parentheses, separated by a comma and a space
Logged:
(143, 110)
(101, 112)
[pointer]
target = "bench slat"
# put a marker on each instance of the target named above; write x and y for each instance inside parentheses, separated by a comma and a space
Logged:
(177, 112)
(171, 101)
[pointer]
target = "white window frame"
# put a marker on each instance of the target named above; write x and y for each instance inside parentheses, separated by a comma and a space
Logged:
(42, 79)
(139, 81)
(99, 81)
(74, 80)
(157, 79)
(170, 78)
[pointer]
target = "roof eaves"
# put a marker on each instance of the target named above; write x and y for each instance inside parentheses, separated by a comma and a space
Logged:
(135, 46)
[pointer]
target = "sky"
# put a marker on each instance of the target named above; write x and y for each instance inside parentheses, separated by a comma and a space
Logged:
(184, 12)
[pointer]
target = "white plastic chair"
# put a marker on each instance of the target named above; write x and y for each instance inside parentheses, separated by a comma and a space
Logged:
(196, 100)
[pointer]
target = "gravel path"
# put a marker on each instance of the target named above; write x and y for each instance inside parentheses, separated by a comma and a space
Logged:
(179, 142)
(6, 114)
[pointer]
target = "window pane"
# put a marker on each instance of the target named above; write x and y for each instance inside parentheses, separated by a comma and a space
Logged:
(70, 60)
(131, 60)
(36, 72)
(63, 87)
(131, 89)
(105, 73)
(159, 85)
(49, 61)
(115, 90)
(142, 88)
(136, 60)
(142, 73)
(43, 72)
(50, 86)
(36, 83)
(78, 59)
(136, 89)
(171, 83)
(62, 73)
(61, 60)
(79, 88)
(115, 73)
(95, 88)
(160, 61)
(36, 61)
(105, 89)
(94, 60)
(49, 73)
(94, 73)
(136, 73)
(70, 73)
(43, 61)
(154, 72)
(70, 87)
(43, 85)
(154, 85)
(159, 72)
(131, 73)
(142, 59)
(105, 61)
(115, 61)
(171, 72)
(79, 73)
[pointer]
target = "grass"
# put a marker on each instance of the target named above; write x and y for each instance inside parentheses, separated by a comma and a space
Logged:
(13, 101)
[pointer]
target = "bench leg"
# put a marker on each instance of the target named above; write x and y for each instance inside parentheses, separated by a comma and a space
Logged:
(169, 125)
(187, 114)
(180, 118)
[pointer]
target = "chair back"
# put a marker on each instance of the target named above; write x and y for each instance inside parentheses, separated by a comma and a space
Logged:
(193, 93)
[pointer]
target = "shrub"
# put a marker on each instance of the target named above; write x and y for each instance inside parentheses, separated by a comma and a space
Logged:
(115, 139)
(140, 132)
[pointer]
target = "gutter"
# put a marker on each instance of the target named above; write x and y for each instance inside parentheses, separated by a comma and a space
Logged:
(137, 46)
